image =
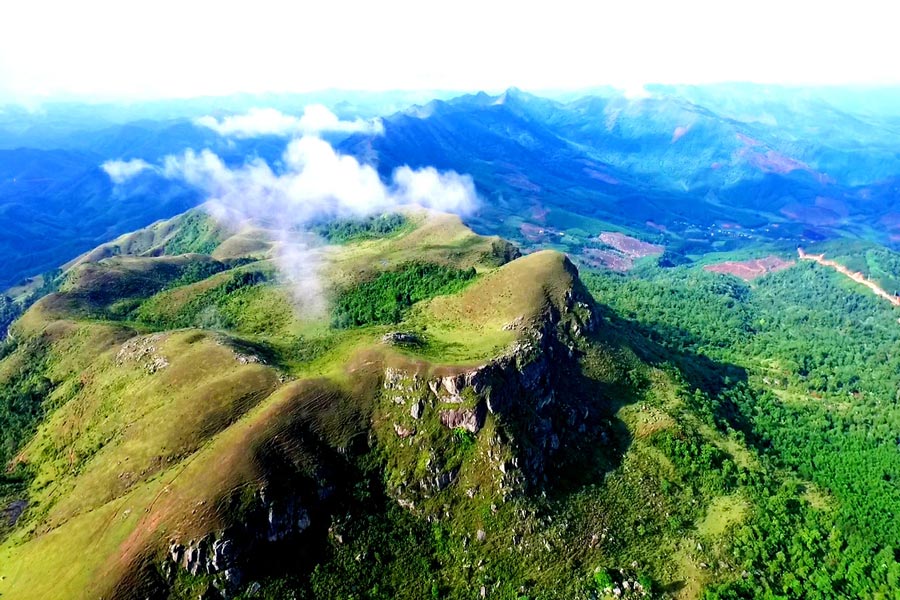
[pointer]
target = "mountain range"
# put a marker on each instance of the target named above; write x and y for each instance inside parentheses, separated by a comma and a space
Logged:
(688, 166)
(251, 354)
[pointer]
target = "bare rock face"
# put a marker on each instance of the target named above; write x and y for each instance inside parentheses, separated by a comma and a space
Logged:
(13, 511)
(399, 338)
(442, 480)
(517, 385)
(454, 384)
(402, 432)
(516, 392)
(470, 419)
(224, 554)
(415, 411)
(285, 516)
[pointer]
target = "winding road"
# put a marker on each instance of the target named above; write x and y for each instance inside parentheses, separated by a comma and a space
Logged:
(857, 277)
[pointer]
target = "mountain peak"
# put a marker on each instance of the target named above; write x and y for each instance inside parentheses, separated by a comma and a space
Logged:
(512, 94)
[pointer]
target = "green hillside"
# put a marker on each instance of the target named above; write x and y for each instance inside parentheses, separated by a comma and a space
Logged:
(454, 421)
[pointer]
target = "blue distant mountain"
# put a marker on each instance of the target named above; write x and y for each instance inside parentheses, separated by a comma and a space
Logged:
(700, 168)
(801, 168)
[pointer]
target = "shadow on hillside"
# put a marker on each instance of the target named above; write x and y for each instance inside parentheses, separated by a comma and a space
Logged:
(592, 438)
(698, 372)
(598, 440)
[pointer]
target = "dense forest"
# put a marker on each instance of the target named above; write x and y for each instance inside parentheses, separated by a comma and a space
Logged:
(820, 402)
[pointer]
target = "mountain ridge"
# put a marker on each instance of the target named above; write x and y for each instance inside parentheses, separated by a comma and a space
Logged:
(232, 446)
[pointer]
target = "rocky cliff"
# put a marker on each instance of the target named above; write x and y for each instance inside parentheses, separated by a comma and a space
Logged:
(489, 430)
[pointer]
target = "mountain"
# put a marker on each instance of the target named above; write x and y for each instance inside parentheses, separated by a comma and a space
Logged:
(56, 204)
(698, 169)
(619, 378)
(497, 431)
(781, 169)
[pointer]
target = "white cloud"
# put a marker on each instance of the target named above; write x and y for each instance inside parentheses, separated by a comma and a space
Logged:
(268, 121)
(316, 183)
(447, 192)
(318, 119)
(120, 171)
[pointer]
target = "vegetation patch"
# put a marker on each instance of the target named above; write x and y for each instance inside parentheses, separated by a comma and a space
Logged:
(345, 231)
(723, 512)
(22, 398)
(797, 333)
(385, 299)
(197, 233)
(210, 309)
(198, 271)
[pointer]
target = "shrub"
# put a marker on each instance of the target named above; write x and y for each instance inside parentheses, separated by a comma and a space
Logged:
(602, 579)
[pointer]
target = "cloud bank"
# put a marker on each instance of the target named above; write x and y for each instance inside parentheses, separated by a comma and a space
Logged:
(316, 119)
(315, 183)
(120, 171)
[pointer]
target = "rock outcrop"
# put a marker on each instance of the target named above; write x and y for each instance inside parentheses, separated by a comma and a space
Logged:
(144, 351)
(470, 419)
(224, 554)
(13, 511)
(516, 393)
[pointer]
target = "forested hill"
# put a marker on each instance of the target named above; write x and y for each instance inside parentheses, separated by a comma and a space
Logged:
(820, 404)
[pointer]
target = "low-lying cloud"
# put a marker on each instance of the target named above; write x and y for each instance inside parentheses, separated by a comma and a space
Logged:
(317, 183)
(314, 183)
(447, 192)
(316, 119)
(120, 171)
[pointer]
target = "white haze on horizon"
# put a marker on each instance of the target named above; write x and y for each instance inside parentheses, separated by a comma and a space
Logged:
(102, 49)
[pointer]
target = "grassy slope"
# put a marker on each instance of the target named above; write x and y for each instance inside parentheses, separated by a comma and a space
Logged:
(121, 429)
(129, 457)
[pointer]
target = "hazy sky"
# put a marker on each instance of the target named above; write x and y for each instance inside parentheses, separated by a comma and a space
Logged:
(167, 48)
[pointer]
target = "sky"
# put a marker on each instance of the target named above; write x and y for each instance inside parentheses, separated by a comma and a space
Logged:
(141, 49)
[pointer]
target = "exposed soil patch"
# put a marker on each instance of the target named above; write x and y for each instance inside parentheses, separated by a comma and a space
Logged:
(607, 259)
(751, 269)
(521, 182)
(630, 246)
(811, 215)
(621, 252)
(537, 234)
